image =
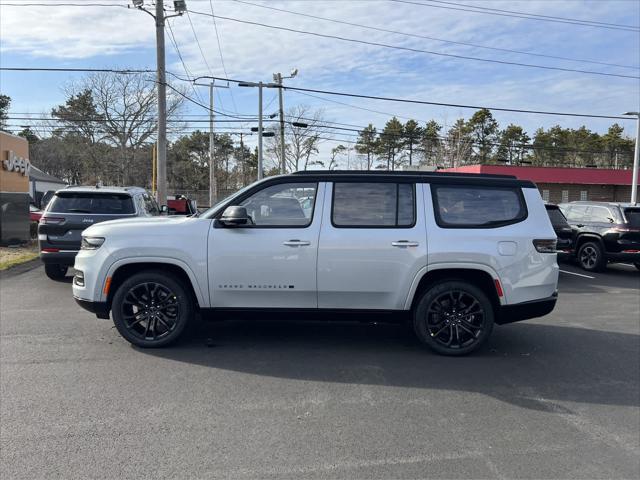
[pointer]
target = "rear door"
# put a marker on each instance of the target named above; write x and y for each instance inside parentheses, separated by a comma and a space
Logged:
(372, 244)
(69, 213)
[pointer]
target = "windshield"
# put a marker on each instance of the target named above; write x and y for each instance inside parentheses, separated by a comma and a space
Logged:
(95, 203)
(633, 216)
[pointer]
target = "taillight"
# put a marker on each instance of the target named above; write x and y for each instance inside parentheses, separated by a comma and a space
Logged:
(50, 250)
(51, 220)
(545, 246)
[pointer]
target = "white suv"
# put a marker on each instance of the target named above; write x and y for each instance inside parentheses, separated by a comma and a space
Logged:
(452, 253)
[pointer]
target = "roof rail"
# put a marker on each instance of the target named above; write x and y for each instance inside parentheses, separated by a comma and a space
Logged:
(408, 173)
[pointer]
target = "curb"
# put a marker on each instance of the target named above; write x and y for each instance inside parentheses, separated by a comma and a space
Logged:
(20, 268)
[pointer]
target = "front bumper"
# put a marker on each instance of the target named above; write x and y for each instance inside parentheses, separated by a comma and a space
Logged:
(526, 310)
(101, 309)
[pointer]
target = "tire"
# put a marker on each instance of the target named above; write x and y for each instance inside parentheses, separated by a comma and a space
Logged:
(55, 271)
(152, 309)
(591, 257)
(441, 326)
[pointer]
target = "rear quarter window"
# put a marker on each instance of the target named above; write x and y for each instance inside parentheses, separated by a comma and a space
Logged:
(556, 217)
(633, 216)
(467, 206)
(94, 203)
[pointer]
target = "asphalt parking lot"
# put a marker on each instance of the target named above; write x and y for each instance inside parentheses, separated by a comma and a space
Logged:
(557, 397)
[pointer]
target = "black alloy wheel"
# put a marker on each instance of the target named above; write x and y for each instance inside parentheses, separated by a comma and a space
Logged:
(454, 318)
(591, 257)
(151, 309)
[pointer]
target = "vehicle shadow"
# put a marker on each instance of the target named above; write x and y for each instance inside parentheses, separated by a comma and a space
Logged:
(532, 365)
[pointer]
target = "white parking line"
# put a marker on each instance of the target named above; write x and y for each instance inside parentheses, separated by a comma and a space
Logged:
(577, 274)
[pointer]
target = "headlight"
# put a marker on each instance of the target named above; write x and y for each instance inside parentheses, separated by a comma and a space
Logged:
(91, 243)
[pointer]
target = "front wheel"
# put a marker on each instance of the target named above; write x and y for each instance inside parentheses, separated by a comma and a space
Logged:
(55, 271)
(591, 257)
(453, 318)
(152, 309)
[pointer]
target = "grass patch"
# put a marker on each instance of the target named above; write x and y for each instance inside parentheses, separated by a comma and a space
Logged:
(10, 257)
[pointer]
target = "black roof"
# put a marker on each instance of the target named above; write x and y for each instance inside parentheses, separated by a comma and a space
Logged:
(455, 178)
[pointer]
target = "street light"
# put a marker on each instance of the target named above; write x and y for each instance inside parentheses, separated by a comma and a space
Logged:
(636, 159)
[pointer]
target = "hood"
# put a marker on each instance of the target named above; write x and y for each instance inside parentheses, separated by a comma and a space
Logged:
(138, 225)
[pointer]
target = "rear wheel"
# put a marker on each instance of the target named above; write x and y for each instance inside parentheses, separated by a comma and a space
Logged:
(55, 271)
(152, 309)
(591, 257)
(453, 318)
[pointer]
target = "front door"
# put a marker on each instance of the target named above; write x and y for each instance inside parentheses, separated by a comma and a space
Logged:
(270, 263)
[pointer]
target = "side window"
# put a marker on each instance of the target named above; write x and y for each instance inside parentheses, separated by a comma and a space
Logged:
(140, 205)
(477, 207)
(577, 213)
(150, 205)
(282, 205)
(601, 215)
(373, 205)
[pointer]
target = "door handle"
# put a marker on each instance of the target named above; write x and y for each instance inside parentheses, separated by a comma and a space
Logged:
(296, 243)
(404, 243)
(580, 225)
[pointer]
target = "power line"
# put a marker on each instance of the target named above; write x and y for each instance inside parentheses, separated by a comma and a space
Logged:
(552, 17)
(414, 50)
(224, 67)
(415, 35)
(184, 66)
(457, 105)
(329, 92)
(526, 16)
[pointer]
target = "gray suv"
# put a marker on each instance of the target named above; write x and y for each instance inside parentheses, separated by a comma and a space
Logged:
(73, 209)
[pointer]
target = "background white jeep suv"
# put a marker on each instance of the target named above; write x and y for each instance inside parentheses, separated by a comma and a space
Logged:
(453, 253)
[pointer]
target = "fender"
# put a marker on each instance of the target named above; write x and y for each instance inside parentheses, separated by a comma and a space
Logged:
(446, 266)
(203, 300)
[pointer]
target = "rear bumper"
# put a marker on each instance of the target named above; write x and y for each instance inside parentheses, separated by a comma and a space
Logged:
(526, 310)
(63, 257)
(101, 309)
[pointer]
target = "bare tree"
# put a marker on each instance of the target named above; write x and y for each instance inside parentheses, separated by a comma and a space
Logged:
(301, 142)
(125, 112)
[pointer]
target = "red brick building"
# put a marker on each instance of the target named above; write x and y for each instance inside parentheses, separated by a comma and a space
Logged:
(559, 184)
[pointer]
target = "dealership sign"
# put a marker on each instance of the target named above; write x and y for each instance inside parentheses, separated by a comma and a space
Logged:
(14, 163)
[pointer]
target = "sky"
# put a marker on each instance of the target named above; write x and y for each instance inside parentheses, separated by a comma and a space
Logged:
(91, 36)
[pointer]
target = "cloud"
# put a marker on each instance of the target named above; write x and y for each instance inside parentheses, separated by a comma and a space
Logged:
(108, 35)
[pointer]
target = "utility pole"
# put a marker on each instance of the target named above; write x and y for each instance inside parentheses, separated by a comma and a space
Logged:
(636, 159)
(179, 7)
(213, 184)
(278, 78)
(260, 84)
(162, 105)
(283, 147)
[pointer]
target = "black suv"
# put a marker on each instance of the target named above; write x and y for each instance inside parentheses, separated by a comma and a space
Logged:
(73, 209)
(605, 232)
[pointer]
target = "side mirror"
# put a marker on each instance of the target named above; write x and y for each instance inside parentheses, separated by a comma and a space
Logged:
(234, 216)
(164, 210)
(611, 220)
